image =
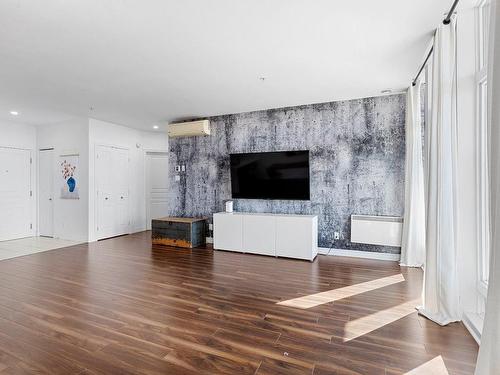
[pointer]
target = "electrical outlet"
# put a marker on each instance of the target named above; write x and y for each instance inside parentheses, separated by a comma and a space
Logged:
(177, 177)
(177, 168)
(183, 168)
(336, 235)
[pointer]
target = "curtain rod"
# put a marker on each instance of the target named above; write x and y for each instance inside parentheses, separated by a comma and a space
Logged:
(446, 21)
(414, 83)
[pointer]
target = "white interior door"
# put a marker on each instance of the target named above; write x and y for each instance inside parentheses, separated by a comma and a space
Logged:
(156, 186)
(15, 194)
(121, 191)
(46, 193)
(104, 192)
(112, 176)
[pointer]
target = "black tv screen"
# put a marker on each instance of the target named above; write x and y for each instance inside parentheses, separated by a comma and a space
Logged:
(270, 175)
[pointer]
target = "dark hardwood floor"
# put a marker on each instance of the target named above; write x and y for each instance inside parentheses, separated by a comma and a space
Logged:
(121, 306)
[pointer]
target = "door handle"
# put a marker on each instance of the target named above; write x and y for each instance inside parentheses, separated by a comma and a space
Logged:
(121, 197)
(50, 199)
(106, 198)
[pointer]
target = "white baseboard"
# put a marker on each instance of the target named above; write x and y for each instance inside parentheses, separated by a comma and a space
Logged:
(474, 324)
(360, 254)
(137, 229)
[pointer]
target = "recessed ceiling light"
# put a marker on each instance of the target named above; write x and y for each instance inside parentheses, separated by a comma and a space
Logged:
(155, 126)
(386, 91)
(14, 113)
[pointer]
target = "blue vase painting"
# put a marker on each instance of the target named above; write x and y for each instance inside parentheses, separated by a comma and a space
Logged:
(71, 184)
(69, 189)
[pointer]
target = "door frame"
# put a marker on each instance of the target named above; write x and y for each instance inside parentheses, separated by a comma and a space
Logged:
(38, 190)
(146, 190)
(95, 185)
(33, 173)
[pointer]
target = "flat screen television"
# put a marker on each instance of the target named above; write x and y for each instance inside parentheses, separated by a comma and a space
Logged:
(270, 175)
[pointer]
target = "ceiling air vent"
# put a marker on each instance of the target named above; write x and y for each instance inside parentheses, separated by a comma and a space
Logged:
(189, 129)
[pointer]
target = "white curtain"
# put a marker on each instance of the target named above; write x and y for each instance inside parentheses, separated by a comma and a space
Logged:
(441, 287)
(489, 353)
(413, 242)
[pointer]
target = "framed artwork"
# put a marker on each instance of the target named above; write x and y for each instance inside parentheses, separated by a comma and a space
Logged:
(69, 171)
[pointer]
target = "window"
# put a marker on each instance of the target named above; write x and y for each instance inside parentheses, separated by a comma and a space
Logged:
(482, 146)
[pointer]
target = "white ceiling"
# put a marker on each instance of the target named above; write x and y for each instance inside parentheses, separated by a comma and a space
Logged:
(142, 62)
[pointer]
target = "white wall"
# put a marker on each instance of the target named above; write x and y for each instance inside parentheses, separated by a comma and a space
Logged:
(17, 135)
(138, 143)
(75, 219)
(70, 216)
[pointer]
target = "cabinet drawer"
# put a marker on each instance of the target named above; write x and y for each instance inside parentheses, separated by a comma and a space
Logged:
(295, 237)
(228, 232)
(259, 235)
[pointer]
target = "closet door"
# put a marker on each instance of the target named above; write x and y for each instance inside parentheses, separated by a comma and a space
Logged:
(112, 192)
(105, 199)
(121, 191)
(46, 193)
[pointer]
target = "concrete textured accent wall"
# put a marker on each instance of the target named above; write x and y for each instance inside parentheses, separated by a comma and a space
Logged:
(357, 153)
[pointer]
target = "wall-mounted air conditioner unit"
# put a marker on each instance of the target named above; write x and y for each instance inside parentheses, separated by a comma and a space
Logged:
(189, 129)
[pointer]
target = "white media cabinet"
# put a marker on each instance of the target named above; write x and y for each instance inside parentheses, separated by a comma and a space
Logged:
(290, 236)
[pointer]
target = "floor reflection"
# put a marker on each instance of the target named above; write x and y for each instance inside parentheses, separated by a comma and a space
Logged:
(435, 366)
(362, 326)
(317, 299)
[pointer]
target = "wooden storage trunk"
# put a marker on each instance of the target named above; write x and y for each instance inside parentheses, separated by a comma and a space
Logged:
(179, 231)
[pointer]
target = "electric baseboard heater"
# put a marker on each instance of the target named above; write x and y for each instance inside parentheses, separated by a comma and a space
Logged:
(377, 230)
